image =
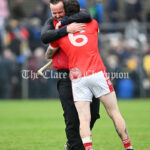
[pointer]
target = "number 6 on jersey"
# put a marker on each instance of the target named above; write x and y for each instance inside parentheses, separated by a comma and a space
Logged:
(73, 39)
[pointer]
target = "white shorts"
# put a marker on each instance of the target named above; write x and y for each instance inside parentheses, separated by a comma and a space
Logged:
(97, 84)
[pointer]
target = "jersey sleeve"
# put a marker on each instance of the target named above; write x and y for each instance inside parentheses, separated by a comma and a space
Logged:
(54, 45)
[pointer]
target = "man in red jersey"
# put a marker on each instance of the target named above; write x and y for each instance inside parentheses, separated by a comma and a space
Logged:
(60, 63)
(82, 51)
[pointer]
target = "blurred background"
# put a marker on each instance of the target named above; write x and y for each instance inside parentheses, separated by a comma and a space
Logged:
(123, 44)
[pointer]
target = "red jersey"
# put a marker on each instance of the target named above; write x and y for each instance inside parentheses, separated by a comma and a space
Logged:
(82, 49)
(60, 60)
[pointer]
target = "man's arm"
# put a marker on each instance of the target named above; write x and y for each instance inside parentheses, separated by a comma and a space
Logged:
(50, 52)
(49, 34)
(82, 17)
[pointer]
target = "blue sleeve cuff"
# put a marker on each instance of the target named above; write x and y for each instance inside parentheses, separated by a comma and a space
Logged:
(65, 21)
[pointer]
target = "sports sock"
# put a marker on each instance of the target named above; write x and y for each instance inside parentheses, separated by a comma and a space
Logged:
(127, 143)
(87, 142)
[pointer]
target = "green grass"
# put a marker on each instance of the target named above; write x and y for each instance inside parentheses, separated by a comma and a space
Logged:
(39, 125)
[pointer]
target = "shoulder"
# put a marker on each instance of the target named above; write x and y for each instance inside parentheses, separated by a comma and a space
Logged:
(94, 22)
(49, 21)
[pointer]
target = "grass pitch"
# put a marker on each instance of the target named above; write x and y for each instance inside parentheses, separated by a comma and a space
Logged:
(39, 125)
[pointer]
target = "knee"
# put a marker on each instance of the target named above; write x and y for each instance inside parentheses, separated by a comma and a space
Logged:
(85, 118)
(85, 121)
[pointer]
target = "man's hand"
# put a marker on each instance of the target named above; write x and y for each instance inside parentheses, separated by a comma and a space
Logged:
(75, 27)
(58, 25)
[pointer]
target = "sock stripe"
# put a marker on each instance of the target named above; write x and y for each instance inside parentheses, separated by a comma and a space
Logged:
(126, 143)
(87, 139)
(88, 146)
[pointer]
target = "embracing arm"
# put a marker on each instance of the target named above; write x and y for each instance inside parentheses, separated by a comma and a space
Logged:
(82, 17)
(48, 32)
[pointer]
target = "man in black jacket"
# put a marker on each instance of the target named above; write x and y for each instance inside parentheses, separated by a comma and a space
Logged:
(60, 62)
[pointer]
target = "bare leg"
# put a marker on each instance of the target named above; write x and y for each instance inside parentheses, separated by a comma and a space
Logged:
(110, 103)
(83, 109)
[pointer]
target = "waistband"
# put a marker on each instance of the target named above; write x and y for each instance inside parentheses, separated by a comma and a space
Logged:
(64, 73)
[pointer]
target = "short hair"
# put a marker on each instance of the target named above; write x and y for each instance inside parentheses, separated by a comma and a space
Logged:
(71, 7)
(55, 1)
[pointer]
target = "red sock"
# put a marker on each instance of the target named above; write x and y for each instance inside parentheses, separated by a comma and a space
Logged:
(88, 146)
(126, 143)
